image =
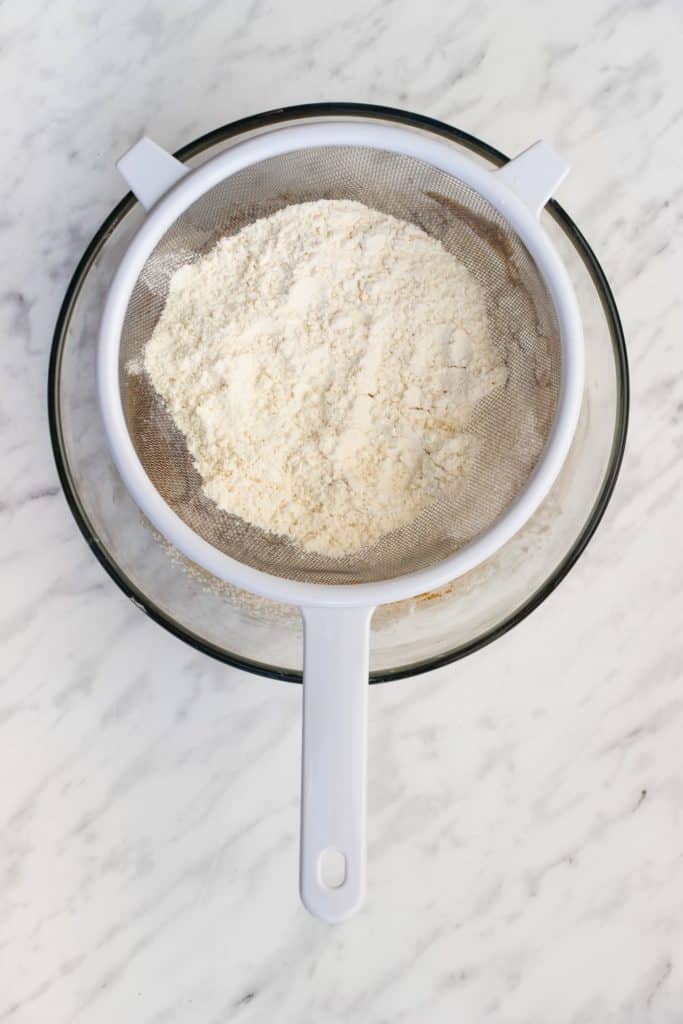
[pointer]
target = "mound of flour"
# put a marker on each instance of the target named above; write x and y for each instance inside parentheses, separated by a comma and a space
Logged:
(323, 364)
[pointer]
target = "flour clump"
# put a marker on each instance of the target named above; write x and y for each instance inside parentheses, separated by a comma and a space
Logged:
(323, 364)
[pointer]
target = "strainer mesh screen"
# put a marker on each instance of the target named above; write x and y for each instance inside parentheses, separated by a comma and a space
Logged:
(511, 425)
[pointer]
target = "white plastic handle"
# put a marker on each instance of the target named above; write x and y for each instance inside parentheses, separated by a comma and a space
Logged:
(534, 175)
(334, 757)
(150, 171)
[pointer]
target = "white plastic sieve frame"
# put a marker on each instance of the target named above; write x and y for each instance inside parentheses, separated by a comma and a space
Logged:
(516, 204)
(337, 617)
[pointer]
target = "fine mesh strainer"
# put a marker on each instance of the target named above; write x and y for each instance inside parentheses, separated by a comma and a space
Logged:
(521, 432)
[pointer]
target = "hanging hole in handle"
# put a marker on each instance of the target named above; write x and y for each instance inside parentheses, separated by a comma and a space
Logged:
(332, 868)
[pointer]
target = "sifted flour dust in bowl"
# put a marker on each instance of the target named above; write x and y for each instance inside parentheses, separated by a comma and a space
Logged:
(323, 365)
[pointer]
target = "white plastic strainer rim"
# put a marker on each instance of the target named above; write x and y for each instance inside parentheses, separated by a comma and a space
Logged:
(446, 158)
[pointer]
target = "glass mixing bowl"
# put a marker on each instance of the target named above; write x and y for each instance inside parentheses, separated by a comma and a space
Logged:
(266, 638)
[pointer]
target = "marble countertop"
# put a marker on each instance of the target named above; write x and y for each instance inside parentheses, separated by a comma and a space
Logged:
(526, 804)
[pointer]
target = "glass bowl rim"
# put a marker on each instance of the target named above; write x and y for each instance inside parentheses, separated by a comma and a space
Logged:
(264, 120)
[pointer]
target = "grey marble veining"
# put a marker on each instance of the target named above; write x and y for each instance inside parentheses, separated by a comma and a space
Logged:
(525, 805)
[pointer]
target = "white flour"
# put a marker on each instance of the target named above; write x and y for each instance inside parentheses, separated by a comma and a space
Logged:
(322, 365)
